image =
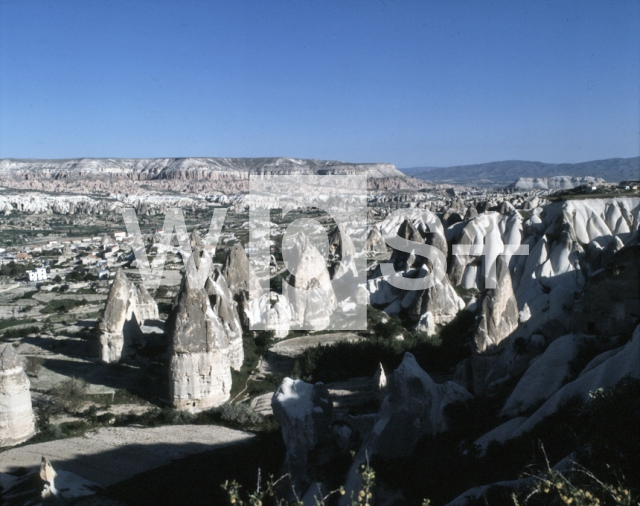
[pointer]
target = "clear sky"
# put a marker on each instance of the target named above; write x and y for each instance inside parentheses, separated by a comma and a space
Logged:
(414, 83)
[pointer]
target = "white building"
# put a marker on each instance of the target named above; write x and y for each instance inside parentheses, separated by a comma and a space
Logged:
(38, 274)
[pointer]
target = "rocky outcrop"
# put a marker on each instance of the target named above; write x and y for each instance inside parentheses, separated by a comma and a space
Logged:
(309, 288)
(304, 412)
(237, 272)
(498, 310)
(554, 182)
(17, 422)
(225, 308)
(45, 485)
(275, 310)
(48, 476)
(200, 368)
(413, 408)
(375, 242)
(128, 306)
(545, 376)
(606, 372)
(438, 304)
(186, 175)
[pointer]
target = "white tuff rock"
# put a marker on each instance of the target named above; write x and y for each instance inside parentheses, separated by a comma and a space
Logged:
(17, 422)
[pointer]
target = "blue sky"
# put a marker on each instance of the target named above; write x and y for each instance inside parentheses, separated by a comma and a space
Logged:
(414, 83)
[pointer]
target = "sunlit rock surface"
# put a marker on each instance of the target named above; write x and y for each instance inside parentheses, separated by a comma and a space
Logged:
(127, 307)
(200, 368)
(226, 309)
(17, 423)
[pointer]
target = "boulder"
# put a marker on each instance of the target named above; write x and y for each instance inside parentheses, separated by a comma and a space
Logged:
(17, 423)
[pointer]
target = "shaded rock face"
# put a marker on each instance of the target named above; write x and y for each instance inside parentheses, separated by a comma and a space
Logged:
(413, 409)
(545, 375)
(610, 304)
(606, 372)
(236, 270)
(17, 423)
(304, 412)
(200, 368)
(499, 310)
(375, 242)
(126, 309)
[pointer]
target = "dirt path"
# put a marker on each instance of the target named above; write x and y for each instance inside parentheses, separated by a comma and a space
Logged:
(110, 455)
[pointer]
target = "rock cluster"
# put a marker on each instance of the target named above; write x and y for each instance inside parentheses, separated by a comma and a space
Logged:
(206, 343)
(437, 304)
(128, 306)
(17, 423)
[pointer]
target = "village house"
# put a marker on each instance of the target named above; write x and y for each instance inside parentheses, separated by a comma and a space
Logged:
(38, 274)
(90, 259)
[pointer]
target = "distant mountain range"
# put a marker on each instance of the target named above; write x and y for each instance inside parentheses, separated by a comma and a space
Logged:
(504, 173)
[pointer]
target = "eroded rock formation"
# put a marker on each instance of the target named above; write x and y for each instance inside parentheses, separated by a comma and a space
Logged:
(312, 297)
(225, 308)
(200, 368)
(128, 306)
(17, 423)
(304, 412)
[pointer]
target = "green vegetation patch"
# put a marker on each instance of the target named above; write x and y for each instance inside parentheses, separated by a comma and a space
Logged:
(63, 305)
(5, 324)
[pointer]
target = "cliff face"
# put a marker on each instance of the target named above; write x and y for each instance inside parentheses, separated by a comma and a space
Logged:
(553, 183)
(223, 172)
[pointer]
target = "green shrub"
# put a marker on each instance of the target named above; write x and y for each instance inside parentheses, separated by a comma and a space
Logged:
(62, 305)
(17, 333)
(69, 394)
(32, 366)
(241, 414)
